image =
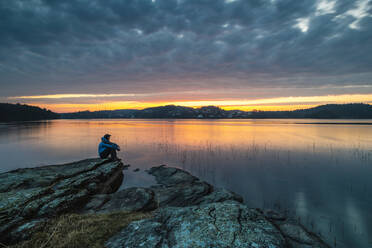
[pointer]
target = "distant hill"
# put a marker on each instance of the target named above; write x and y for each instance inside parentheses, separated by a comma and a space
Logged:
(339, 111)
(329, 111)
(22, 112)
(169, 111)
(121, 113)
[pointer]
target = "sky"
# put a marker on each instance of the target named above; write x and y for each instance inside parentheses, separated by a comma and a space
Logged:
(73, 55)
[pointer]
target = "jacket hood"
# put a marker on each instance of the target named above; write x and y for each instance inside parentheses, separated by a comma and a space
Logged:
(104, 140)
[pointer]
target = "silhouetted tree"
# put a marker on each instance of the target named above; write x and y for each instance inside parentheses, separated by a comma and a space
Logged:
(23, 112)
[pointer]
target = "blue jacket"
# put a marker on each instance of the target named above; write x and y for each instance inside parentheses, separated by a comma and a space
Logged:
(105, 144)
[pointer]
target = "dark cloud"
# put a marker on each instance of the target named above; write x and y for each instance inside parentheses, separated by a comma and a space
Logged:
(67, 46)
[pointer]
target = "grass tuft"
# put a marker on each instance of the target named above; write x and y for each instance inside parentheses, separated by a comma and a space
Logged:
(75, 231)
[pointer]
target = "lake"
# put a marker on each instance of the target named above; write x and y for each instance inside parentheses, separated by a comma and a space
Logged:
(319, 171)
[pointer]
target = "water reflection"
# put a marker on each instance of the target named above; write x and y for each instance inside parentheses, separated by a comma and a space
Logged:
(318, 172)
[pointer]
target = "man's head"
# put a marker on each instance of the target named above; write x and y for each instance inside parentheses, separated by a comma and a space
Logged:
(107, 136)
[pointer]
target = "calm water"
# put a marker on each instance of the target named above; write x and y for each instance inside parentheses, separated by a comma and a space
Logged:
(320, 173)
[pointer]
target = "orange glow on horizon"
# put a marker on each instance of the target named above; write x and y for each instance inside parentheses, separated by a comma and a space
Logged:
(269, 104)
(66, 108)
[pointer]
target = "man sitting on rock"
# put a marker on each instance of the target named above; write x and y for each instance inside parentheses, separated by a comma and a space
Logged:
(107, 148)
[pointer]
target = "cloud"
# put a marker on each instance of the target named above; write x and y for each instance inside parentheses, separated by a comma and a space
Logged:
(61, 96)
(143, 46)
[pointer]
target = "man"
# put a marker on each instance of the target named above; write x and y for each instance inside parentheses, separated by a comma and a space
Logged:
(107, 148)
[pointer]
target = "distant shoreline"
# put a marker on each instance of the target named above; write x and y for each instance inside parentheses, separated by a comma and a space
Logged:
(288, 118)
(336, 123)
(18, 112)
(215, 119)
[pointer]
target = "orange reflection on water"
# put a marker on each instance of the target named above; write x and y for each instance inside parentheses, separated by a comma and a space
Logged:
(321, 171)
(283, 134)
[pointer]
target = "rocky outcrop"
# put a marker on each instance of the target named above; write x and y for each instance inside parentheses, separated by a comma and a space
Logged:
(28, 196)
(179, 188)
(132, 199)
(186, 211)
(192, 213)
(297, 236)
(224, 224)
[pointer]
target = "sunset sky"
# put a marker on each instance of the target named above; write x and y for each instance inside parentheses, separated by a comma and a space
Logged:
(71, 55)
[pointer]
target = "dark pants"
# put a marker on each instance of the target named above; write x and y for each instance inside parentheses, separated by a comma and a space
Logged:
(107, 152)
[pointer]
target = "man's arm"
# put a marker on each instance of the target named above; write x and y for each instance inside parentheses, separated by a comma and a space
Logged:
(108, 145)
(112, 145)
(116, 146)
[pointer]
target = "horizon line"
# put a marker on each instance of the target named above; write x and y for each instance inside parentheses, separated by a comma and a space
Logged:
(80, 102)
(198, 107)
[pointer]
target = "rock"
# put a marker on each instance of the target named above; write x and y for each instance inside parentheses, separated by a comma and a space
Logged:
(176, 188)
(274, 215)
(95, 203)
(27, 229)
(192, 213)
(226, 224)
(183, 194)
(168, 176)
(298, 236)
(136, 170)
(131, 199)
(33, 193)
(220, 195)
(188, 211)
(143, 233)
(179, 188)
